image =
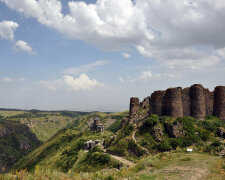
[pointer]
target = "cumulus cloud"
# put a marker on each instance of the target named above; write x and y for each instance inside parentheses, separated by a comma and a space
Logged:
(163, 30)
(7, 29)
(23, 46)
(81, 83)
(85, 68)
(126, 55)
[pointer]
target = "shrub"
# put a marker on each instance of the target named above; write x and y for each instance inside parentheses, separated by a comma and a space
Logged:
(152, 120)
(205, 135)
(98, 158)
(164, 146)
(133, 147)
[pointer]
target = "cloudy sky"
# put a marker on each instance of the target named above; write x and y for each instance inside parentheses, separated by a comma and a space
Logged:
(96, 54)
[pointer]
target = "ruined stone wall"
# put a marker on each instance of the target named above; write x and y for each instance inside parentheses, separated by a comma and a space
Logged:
(134, 107)
(174, 107)
(209, 101)
(195, 101)
(186, 102)
(197, 98)
(145, 103)
(219, 102)
(157, 103)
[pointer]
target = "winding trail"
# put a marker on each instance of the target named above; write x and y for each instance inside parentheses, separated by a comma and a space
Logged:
(123, 160)
(135, 140)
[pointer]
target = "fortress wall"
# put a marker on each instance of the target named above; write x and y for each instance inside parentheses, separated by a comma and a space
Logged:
(145, 103)
(186, 102)
(173, 97)
(219, 102)
(209, 100)
(157, 103)
(134, 106)
(197, 101)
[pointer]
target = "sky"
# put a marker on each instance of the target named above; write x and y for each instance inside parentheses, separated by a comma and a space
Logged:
(94, 55)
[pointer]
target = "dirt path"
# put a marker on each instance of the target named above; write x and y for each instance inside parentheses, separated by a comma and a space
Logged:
(123, 160)
(133, 137)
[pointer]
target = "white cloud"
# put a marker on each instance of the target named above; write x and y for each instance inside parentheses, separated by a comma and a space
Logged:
(8, 79)
(23, 46)
(85, 68)
(81, 83)
(126, 55)
(121, 79)
(116, 25)
(7, 29)
(148, 75)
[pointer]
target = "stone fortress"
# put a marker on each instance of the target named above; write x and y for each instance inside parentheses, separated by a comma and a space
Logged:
(195, 101)
(97, 126)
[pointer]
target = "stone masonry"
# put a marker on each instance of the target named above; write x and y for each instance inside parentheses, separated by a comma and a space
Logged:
(219, 102)
(173, 101)
(195, 101)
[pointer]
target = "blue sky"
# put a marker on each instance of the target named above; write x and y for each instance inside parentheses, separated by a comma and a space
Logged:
(95, 55)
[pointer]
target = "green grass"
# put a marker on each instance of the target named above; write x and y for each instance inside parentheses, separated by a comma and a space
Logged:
(161, 166)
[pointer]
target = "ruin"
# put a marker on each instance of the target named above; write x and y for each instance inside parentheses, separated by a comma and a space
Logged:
(219, 102)
(195, 101)
(96, 126)
(91, 144)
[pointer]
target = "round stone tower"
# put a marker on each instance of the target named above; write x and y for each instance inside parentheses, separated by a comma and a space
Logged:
(219, 102)
(197, 100)
(174, 106)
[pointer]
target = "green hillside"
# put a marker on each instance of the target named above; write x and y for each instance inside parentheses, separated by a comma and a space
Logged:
(161, 134)
(16, 140)
(43, 124)
(154, 150)
(64, 150)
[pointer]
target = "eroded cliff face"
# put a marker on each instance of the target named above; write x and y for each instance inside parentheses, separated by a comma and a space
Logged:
(195, 101)
(16, 140)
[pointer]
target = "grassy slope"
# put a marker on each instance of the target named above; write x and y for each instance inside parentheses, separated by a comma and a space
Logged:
(201, 135)
(161, 166)
(13, 142)
(61, 151)
(46, 124)
(43, 124)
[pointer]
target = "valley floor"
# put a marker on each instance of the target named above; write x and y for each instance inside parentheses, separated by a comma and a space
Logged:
(168, 166)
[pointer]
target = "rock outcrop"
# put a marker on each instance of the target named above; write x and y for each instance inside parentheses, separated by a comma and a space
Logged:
(195, 101)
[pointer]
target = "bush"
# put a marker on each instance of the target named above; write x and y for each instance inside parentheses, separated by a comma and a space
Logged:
(205, 135)
(152, 120)
(164, 146)
(133, 147)
(98, 158)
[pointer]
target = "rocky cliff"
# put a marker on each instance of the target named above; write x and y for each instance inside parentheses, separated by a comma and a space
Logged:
(16, 140)
(195, 101)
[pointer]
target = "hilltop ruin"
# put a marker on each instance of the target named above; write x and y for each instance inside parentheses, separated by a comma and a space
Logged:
(195, 101)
